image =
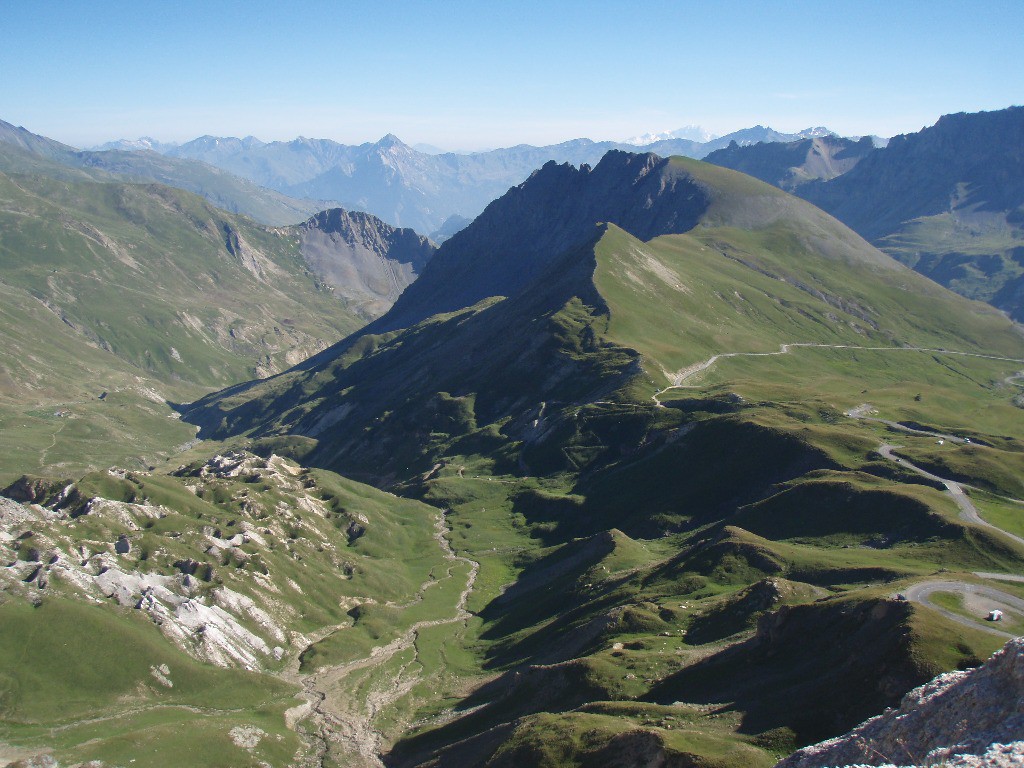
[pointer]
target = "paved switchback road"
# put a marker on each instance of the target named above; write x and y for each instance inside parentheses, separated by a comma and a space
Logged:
(976, 597)
(968, 511)
(920, 593)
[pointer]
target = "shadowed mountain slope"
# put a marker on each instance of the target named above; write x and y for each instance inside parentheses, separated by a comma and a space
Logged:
(788, 165)
(365, 261)
(556, 209)
(947, 201)
(720, 262)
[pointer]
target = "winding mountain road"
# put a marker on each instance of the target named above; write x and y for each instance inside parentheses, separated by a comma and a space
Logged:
(678, 378)
(920, 593)
(976, 597)
(968, 512)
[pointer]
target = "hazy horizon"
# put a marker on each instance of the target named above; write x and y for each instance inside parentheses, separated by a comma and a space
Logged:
(460, 77)
(413, 144)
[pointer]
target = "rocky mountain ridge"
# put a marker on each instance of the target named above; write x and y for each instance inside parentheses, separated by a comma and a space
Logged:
(947, 201)
(365, 261)
(969, 719)
(415, 189)
(641, 193)
(965, 162)
(788, 165)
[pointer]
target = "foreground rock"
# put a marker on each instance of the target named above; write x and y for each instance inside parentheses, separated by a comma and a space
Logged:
(961, 719)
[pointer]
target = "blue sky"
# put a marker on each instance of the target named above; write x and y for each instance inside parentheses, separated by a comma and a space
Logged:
(473, 74)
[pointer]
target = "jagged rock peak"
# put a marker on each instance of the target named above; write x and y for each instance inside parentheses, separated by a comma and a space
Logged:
(366, 260)
(958, 720)
(554, 211)
(389, 141)
(341, 220)
(348, 223)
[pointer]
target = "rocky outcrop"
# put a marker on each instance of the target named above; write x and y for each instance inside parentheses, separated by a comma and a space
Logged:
(788, 165)
(364, 260)
(960, 719)
(122, 561)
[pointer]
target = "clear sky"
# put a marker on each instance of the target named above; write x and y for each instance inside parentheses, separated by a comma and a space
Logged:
(476, 74)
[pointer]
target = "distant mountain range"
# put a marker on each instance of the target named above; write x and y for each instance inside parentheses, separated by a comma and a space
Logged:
(422, 189)
(934, 200)
(947, 201)
(23, 151)
(140, 144)
(401, 185)
(788, 165)
(691, 132)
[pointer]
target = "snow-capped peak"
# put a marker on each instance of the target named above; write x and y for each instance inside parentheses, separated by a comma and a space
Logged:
(816, 132)
(689, 132)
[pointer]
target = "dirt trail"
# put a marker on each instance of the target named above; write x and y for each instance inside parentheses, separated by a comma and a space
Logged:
(53, 442)
(333, 720)
(678, 378)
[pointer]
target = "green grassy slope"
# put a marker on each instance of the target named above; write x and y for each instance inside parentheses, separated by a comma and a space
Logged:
(975, 253)
(286, 553)
(25, 152)
(88, 700)
(143, 292)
